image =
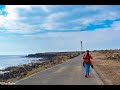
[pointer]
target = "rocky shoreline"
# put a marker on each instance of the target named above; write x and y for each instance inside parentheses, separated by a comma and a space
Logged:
(49, 60)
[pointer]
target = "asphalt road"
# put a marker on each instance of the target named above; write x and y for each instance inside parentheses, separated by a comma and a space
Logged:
(69, 73)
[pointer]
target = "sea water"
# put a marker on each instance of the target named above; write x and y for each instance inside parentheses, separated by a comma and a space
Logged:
(14, 60)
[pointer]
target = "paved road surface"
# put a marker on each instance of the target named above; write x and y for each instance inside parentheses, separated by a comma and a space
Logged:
(68, 73)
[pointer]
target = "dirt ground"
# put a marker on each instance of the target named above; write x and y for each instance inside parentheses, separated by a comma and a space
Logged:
(108, 70)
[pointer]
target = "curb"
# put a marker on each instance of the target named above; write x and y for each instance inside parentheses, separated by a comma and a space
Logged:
(98, 79)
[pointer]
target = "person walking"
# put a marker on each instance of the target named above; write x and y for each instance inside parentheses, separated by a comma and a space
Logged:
(87, 63)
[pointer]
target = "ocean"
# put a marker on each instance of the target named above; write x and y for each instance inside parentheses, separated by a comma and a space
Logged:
(15, 60)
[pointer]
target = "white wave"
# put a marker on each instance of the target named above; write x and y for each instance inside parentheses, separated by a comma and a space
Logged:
(2, 68)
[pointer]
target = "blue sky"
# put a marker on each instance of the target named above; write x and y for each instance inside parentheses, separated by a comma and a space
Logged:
(26, 29)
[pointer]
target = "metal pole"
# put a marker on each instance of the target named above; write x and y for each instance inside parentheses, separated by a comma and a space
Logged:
(81, 47)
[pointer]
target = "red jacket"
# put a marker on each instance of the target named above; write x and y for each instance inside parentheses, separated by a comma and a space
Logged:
(87, 58)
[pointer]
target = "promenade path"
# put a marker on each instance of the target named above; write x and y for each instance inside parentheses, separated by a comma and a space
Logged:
(69, 73)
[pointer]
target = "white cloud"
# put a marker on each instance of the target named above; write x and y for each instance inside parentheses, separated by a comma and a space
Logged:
(12, 10)
(89, 8)
(50, 25)
(116, 25)
(107, 15)
(45, 8)
(95, 7)
(96, 19)
(2, 21)
(55, 16)
(95, 14)
(91, 40)
(13, 24)
(45, 18)
(11, 21)
(98, 39)
(84, 21)
(49, 20)
(77, 28)
(0, 12)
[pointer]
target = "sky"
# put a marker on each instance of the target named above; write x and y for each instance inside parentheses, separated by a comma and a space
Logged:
(26, 29)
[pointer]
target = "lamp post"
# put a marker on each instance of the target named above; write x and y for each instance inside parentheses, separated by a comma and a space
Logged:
(81, 47)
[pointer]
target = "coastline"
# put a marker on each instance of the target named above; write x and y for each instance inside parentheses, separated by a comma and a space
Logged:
(15, 60)
(19, 72)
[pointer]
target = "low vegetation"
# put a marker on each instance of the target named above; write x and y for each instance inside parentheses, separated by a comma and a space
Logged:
(107, 65)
